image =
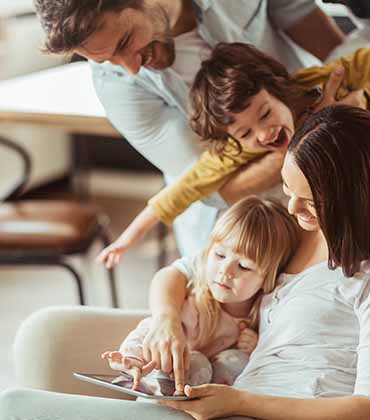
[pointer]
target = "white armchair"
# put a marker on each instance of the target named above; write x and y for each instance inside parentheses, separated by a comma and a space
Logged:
(54, 342)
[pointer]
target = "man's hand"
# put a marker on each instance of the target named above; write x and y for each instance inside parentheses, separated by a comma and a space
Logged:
(165, 344)
(330, 92)
(255, 177)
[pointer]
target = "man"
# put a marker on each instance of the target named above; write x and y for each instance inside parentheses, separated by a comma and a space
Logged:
(144, 55)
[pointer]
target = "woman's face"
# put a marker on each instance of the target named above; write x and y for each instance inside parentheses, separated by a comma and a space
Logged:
(301, 203)
(231, 277)
(266, 124)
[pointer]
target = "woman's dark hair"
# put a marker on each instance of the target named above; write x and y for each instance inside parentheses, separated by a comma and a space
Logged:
(225, 83)
(332, 150)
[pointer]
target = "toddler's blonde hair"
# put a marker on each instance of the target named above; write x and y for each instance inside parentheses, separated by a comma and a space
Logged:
(263, 231)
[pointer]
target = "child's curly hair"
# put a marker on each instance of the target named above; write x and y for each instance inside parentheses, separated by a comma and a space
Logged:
(227, 80)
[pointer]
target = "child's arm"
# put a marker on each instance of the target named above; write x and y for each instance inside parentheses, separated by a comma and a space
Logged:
(142, 224)
(206, 176)
(166, 298)
(129, 358)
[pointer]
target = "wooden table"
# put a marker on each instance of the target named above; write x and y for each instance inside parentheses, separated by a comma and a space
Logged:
(62, 97)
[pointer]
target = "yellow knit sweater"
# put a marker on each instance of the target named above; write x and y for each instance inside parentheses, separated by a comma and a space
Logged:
(211, 171)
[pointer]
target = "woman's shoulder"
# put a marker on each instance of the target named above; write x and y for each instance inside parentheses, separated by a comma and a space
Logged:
(356, 288)
(365, 267)
(364, 277)
(329, 281)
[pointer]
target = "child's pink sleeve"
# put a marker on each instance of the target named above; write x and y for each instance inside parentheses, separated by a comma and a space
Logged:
(132, 346)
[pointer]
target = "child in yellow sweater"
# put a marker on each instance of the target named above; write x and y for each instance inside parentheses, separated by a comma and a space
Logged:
(245, 104)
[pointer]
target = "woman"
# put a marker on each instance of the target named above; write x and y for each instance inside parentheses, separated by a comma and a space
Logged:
(318, 307)
(312, 360)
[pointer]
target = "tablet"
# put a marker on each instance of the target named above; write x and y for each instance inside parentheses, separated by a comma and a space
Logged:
(152, 388)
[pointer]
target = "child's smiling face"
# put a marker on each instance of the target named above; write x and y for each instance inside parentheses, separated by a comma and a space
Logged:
(266, 124)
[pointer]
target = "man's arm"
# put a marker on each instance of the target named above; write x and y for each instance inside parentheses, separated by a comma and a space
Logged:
(307, 25)
(316, 33)
(258, 176)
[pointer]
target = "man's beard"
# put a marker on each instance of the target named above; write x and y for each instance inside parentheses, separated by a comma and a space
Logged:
(159, 55)
(162, 48)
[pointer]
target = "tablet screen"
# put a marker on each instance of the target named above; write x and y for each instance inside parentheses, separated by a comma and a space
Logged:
(148, 385)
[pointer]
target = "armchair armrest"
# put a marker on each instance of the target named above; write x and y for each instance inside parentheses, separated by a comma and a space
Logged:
(54, 342)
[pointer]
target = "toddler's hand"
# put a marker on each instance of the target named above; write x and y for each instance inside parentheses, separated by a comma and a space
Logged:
(248, 339)
(133, 367)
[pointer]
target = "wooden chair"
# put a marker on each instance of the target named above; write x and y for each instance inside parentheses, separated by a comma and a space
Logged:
(48, 232)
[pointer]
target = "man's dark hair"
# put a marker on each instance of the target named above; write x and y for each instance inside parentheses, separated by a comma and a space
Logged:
(68, 23)
(332, 150)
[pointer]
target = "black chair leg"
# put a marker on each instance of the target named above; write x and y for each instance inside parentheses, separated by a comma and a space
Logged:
(77, 278)
(113, 288)
(16, 260)
(111, 274)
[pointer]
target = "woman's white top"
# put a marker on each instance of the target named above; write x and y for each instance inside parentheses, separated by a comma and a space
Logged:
(314, 335)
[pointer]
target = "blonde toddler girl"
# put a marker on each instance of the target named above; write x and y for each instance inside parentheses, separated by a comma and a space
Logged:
(249, 246)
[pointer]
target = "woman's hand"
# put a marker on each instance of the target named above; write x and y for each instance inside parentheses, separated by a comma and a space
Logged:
(210, 401)
(248, 339)
(133, 367)
(165, 344)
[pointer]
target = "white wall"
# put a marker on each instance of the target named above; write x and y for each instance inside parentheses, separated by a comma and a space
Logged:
(21, 38)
